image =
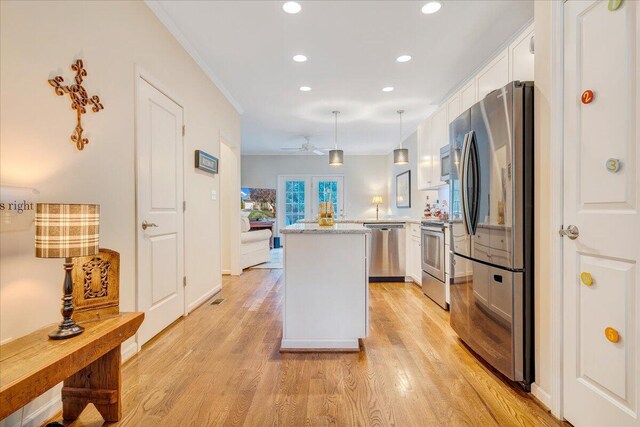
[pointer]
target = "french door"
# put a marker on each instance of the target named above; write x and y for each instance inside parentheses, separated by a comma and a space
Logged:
(601, 214)
(299, 196)
(327, 189)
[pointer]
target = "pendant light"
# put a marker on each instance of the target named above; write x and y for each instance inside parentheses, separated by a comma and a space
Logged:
(400, 155)
(336, 157)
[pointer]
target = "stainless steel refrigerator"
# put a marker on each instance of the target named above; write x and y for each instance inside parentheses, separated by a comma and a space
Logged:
(491, 221)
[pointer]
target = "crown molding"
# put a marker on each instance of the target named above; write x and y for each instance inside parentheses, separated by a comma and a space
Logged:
(163, 16)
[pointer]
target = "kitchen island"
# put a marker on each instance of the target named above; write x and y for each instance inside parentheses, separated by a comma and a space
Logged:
(326, 295)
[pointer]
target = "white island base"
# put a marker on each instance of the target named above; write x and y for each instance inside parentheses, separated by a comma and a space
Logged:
(326, 294)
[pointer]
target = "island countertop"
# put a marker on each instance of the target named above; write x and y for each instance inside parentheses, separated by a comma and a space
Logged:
(393, 220)
(314, 228)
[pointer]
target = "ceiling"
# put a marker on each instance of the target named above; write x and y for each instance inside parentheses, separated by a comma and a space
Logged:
(247, 48)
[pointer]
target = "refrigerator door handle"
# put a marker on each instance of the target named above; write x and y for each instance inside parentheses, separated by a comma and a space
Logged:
(473, 156)
(466, 219)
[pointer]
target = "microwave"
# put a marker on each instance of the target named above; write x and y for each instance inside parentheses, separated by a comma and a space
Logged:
(445, 163)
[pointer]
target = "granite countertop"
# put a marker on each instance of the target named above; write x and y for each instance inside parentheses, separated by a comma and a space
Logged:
(368, 221)
(314, 228)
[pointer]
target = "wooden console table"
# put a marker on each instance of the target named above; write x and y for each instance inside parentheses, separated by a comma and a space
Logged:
(89, 365)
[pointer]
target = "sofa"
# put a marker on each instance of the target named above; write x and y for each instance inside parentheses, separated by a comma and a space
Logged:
(254, 245)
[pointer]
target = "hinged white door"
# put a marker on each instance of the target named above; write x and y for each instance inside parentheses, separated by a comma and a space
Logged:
(159, 196)
(601, 299)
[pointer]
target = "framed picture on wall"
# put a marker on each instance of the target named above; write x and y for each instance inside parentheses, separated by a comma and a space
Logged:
(206, 162)
(403, 190)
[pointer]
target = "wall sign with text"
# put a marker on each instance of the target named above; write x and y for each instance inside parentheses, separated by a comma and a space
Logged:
(206, 162)
(17, 208)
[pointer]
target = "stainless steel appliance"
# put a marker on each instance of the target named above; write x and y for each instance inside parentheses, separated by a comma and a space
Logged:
(445, 164)
(491, 224)
(387, 252)
(433, 262)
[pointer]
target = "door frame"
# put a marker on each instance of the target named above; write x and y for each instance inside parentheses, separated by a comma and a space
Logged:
(234, 243)
(141, 73)
(556, 209)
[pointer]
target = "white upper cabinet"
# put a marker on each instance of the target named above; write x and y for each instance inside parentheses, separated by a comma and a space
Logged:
(440, 138)
(467, 97)
(513, 63)
(424, 154)
(521, 58)
(493, 76)
(453, 108)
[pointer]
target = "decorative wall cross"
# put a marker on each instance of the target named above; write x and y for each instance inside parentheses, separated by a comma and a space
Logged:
(79, 100)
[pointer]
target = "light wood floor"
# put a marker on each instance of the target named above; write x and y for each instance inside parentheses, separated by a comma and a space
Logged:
(221, 366)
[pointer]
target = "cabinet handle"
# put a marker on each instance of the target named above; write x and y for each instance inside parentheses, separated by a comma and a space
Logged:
(586, 278)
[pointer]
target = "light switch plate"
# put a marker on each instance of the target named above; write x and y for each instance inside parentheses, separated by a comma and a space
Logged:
(214, 195)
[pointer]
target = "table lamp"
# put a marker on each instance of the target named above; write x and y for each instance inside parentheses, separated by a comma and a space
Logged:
(67, 231)
(377, 200)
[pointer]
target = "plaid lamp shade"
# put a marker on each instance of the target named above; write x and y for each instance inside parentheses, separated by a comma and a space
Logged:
(67, 230)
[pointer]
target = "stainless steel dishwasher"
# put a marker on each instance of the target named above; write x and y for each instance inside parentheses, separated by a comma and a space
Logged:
(387, 260)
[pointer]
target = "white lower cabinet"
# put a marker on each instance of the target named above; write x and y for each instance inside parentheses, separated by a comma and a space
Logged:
(416, 272)
(413, 259)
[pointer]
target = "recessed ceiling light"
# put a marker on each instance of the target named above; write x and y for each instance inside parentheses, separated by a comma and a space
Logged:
(300, 58)
(403, 58)
(291, 7)
(305, 88)
(387, 89)
(431, 7)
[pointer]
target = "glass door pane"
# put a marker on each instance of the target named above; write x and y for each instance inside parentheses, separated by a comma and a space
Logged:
(328, 189)
(294, 205)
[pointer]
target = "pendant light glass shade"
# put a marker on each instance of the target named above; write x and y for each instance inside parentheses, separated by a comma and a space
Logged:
(400, 155)
(336, 157)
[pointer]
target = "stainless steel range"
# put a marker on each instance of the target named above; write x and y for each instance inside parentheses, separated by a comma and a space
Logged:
(433, 262)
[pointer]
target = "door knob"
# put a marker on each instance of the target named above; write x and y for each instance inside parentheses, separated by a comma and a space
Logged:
(146, 225)
(586, 278)
(612, 334)
(571, 232)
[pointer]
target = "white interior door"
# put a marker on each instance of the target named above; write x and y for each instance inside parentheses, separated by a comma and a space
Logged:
(327, 189)
(601, 275)
(160, 205)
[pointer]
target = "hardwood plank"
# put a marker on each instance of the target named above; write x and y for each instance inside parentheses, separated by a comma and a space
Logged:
(221, 366)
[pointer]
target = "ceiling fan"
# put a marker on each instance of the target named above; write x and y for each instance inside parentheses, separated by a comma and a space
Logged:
(307, 147)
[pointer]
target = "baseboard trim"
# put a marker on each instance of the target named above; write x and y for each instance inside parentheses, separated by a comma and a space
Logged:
(129, 351)
(43, 413)
(320, 345)
(226, 272)
(541, 395)
(197, 303)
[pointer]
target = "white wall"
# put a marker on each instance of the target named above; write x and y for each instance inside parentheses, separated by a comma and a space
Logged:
(418, 197)
(364, 177)
(230, 208)
(543, 197)
(38, 42)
